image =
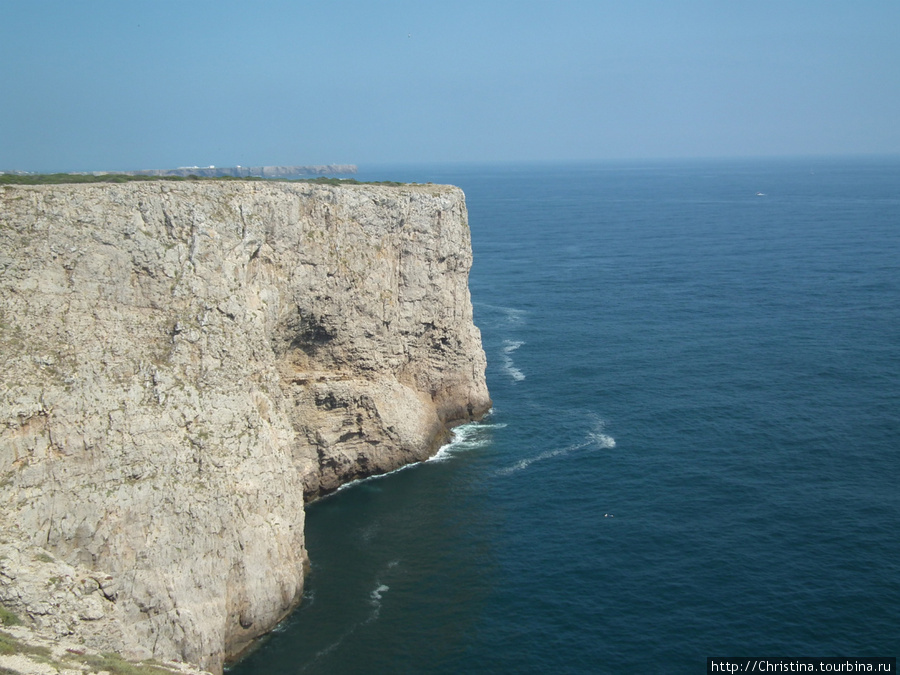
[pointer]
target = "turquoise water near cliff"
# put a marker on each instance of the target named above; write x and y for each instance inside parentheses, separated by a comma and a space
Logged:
(694, 445)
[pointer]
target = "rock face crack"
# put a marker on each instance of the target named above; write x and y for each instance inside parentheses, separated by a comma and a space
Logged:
(210, 356)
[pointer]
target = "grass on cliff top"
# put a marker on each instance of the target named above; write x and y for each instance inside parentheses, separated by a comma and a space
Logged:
(10, 645)
(110, 663)
(116, 665)
(67, 178)
(8, 618)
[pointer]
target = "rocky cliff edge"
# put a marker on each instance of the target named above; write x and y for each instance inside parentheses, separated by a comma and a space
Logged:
(184, 364)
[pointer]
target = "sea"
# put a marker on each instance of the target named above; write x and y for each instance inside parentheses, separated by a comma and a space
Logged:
(694, 449)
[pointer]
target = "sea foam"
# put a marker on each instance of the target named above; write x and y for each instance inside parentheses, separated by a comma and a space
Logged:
(509, 346)
(465, 437)
(511, 315)
(595, 438)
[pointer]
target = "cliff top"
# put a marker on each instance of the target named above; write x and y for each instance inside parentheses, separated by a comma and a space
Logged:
(114, 179)
(70, 178)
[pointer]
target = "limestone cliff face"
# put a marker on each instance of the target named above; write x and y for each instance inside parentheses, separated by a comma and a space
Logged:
(181, 363)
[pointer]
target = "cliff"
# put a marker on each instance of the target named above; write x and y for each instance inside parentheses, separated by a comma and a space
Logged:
(184, 364)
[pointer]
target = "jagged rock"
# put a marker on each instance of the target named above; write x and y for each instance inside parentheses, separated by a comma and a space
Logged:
(183, 363)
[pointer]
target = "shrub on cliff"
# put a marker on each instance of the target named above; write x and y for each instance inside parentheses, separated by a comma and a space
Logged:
(8, 618)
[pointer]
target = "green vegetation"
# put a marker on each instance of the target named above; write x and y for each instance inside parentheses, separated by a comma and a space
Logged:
(111, 663)
(9, 645)
(116, 665)
(43, 557)
(8, 618)
(68, 178)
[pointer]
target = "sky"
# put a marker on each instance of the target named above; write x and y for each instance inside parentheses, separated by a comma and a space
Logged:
(120, 85)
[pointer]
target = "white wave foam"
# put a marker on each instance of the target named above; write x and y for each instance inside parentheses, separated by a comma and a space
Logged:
(330, 648)
(509, 346)
(375, 600)
(283, 626)
(514, 316)
(595, 438)
(525, 463)
(516, 374)
(511, 315)
(465, 437)
(377, 593)
(603, 441)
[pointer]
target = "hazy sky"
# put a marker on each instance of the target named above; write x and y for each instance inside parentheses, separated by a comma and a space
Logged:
(128, 84)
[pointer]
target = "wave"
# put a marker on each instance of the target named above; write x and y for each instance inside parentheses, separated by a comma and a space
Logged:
(509, 346)
(525, 463)
(602, 440)
(594, 438)
(511, 315)
(465, 437)
(375, 596)
(378, 593)
(375, 601)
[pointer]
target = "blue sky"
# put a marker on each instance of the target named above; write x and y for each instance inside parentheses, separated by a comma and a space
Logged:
(139, 84)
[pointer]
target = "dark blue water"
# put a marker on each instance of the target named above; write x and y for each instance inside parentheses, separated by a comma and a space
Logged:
(694, 445)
